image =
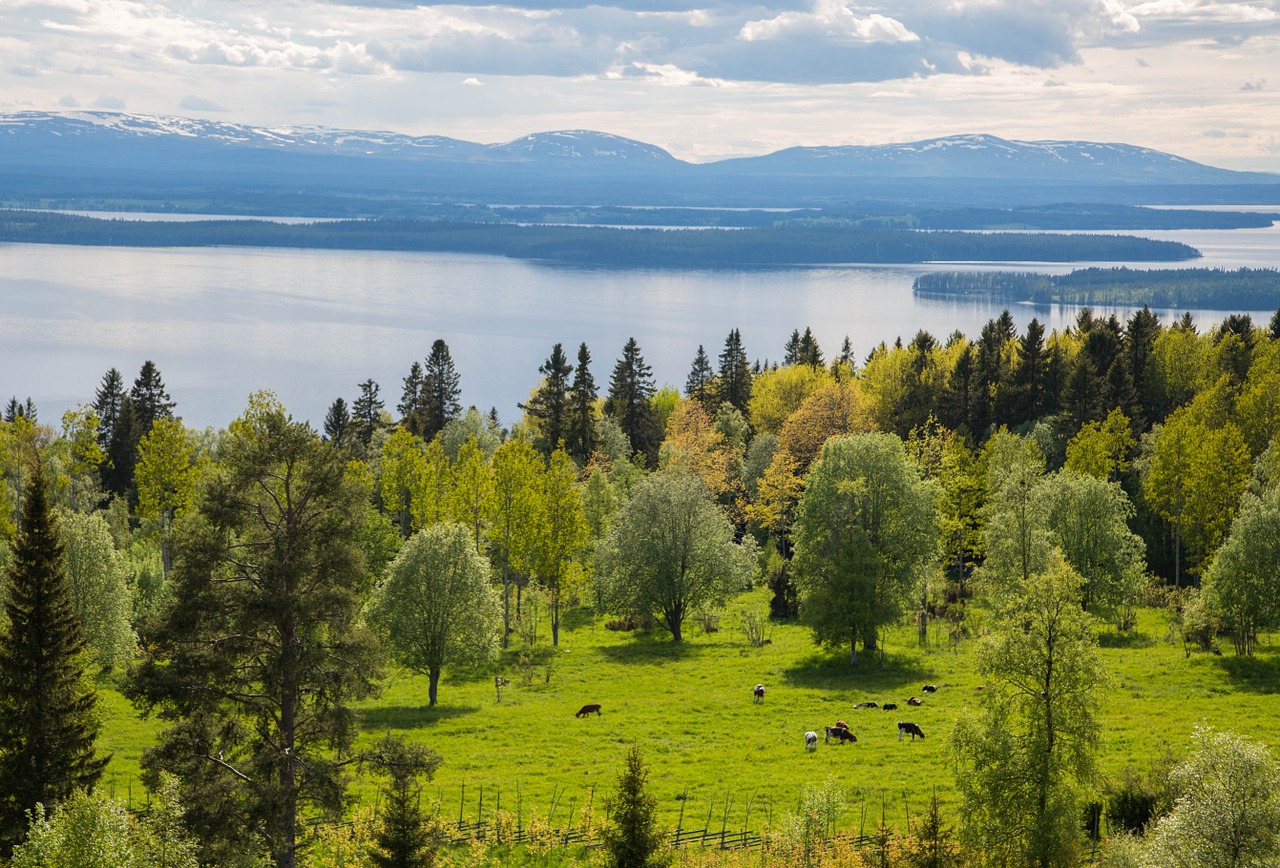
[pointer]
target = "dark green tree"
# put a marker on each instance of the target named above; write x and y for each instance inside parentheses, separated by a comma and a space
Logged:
(1028, 375)
(791, 349)
(549, 406)
(808, 352)
(733, 383)
(1140, 337)
(700, 384)
(122, 451)
(633, 838)
(580, 433)
(402, 839)
(16, 409)
(47, 728)
(1273, 331)
(366, 412)
(440, 391)
(256, 660)
(150, 400)
(410, 406)
(630, 389)
(337, 423)
(107, 402)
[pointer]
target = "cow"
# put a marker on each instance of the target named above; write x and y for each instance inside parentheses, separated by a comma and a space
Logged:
(841, 724)
(811, 741)
(587, 709)
(930, 688)
(915, 700)
(910, 729)
(866, 705)
(841, 733)
(890, 706)
(759, 693)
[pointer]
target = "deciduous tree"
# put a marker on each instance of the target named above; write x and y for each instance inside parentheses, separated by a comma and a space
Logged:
(1240, 585)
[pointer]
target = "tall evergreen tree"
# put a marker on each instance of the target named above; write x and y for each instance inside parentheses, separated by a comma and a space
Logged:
(47, 730)
(630, 389)
(580, 433)
(337, 423)
(150, 400)
(1140, 338)
(548, 407)
(808, 352)
(106, 403)
(402, 839)
(122, 451)
(1028, 374)
(366, 412)
(700, 384)
(410, 406)
(791, 349)
(16, 410)
(734, 381)
(440, 391)
(1273, 331)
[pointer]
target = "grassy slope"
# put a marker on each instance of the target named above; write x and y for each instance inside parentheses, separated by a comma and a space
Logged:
(690, 708)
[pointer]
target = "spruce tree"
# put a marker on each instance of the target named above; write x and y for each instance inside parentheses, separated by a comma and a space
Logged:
(122, 451)
(366, 412)
(47, 731)
(630, 389)
(634, 839)
(150, 400)
(410, 406)
(791, 349)
(734, 381)
(549, 406)
(16, 410)
(1273, 331)
(808, 352)
(106, 403)
(337, 423)
(580, 435)
(700, 384)
(402, 839)
(440, 391)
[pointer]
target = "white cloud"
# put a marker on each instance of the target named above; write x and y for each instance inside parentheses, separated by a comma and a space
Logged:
(108, 101)
(473, 81)
(828, 19)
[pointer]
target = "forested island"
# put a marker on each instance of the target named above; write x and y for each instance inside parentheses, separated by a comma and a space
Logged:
(764, 246)
(1174, 288)
(417, 633)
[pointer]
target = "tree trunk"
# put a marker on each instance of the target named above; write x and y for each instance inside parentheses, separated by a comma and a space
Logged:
(555, 621)
(853, 649)
(506, 603)
(433, 685)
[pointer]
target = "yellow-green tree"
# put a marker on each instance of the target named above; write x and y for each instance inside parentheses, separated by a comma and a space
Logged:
(512, 515)
(432, 486)
(1102, 449)
(165, 478)
(398, 472)
(472, 487)
(562, 532)
(775, 395)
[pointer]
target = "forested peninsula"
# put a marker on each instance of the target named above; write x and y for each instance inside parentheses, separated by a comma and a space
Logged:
(1203, 288)
(772, 246)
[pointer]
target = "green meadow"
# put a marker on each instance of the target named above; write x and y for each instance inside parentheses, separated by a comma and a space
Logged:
(715, 756)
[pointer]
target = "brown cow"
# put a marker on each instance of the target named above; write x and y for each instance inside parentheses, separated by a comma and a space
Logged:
(587, 709)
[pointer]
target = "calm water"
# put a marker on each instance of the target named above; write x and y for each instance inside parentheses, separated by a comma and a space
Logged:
(310, 325)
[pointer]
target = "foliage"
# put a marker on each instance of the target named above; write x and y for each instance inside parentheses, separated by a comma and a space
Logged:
(47, 723)
(256, 659)
(633, 839)
(866, 533)
(98, 588)
(670, 553)
(1016, 535)
(403, 838)
(1240, 585)
(1227, 813)
(776, 394)
(436, 607)
(561, 535)
(1023, 761)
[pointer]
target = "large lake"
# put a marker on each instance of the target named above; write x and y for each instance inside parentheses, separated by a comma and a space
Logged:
(310, 324)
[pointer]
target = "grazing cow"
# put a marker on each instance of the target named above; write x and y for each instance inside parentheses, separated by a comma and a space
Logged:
(890, 706)
(930, 688)
(910, 729)
(915, 700)
(841, 724)
(866, 705)
(810, 741)
(759, 693)
(587, 709)
(841, 733)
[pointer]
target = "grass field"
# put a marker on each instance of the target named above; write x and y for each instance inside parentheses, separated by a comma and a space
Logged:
(707, 743)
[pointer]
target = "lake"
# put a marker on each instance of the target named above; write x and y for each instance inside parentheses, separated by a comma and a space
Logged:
(311, 324)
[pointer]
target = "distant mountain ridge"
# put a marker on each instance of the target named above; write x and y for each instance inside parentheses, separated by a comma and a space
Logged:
(154, 151)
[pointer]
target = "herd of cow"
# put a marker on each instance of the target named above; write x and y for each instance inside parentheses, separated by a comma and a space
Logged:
(840, 732)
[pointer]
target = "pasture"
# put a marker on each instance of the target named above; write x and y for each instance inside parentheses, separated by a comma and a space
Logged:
(715, 755)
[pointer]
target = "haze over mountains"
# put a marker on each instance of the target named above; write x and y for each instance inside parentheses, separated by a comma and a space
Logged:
(104, 154)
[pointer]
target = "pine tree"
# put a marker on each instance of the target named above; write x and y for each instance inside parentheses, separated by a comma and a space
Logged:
(1140, 337)
(366, 412)
(1273, 331)
(47, 731)
(410, 406)
(402, 839)
(791, 349)
(440, 391)
(630, 389)
(106, 403)
(808, 352)
(700, 384)
(150, 400)
(1028, 375)
(580, 434)
(122, 451)
(634, 839)
(550, 404)
(734, 381)
(337, 423)
(16, 410)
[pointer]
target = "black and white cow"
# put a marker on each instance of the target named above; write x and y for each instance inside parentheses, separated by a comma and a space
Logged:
(910, 729)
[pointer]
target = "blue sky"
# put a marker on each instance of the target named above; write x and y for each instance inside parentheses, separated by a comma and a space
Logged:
(703, 78)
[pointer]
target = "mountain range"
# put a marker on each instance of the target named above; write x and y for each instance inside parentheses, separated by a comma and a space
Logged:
(53, 155)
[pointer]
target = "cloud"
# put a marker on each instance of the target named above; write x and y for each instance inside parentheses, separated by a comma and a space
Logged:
(828, 19)
(24, 71)
(1260, 84)
(107, 101)
(473, 81)
(198, 104)
(68, 101)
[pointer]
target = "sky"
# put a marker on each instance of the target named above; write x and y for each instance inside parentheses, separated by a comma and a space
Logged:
(705, 79)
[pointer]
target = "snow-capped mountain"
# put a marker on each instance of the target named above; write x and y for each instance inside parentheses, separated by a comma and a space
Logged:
(127, 151)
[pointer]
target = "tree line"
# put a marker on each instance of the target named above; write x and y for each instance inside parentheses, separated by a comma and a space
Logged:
(248, 584)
